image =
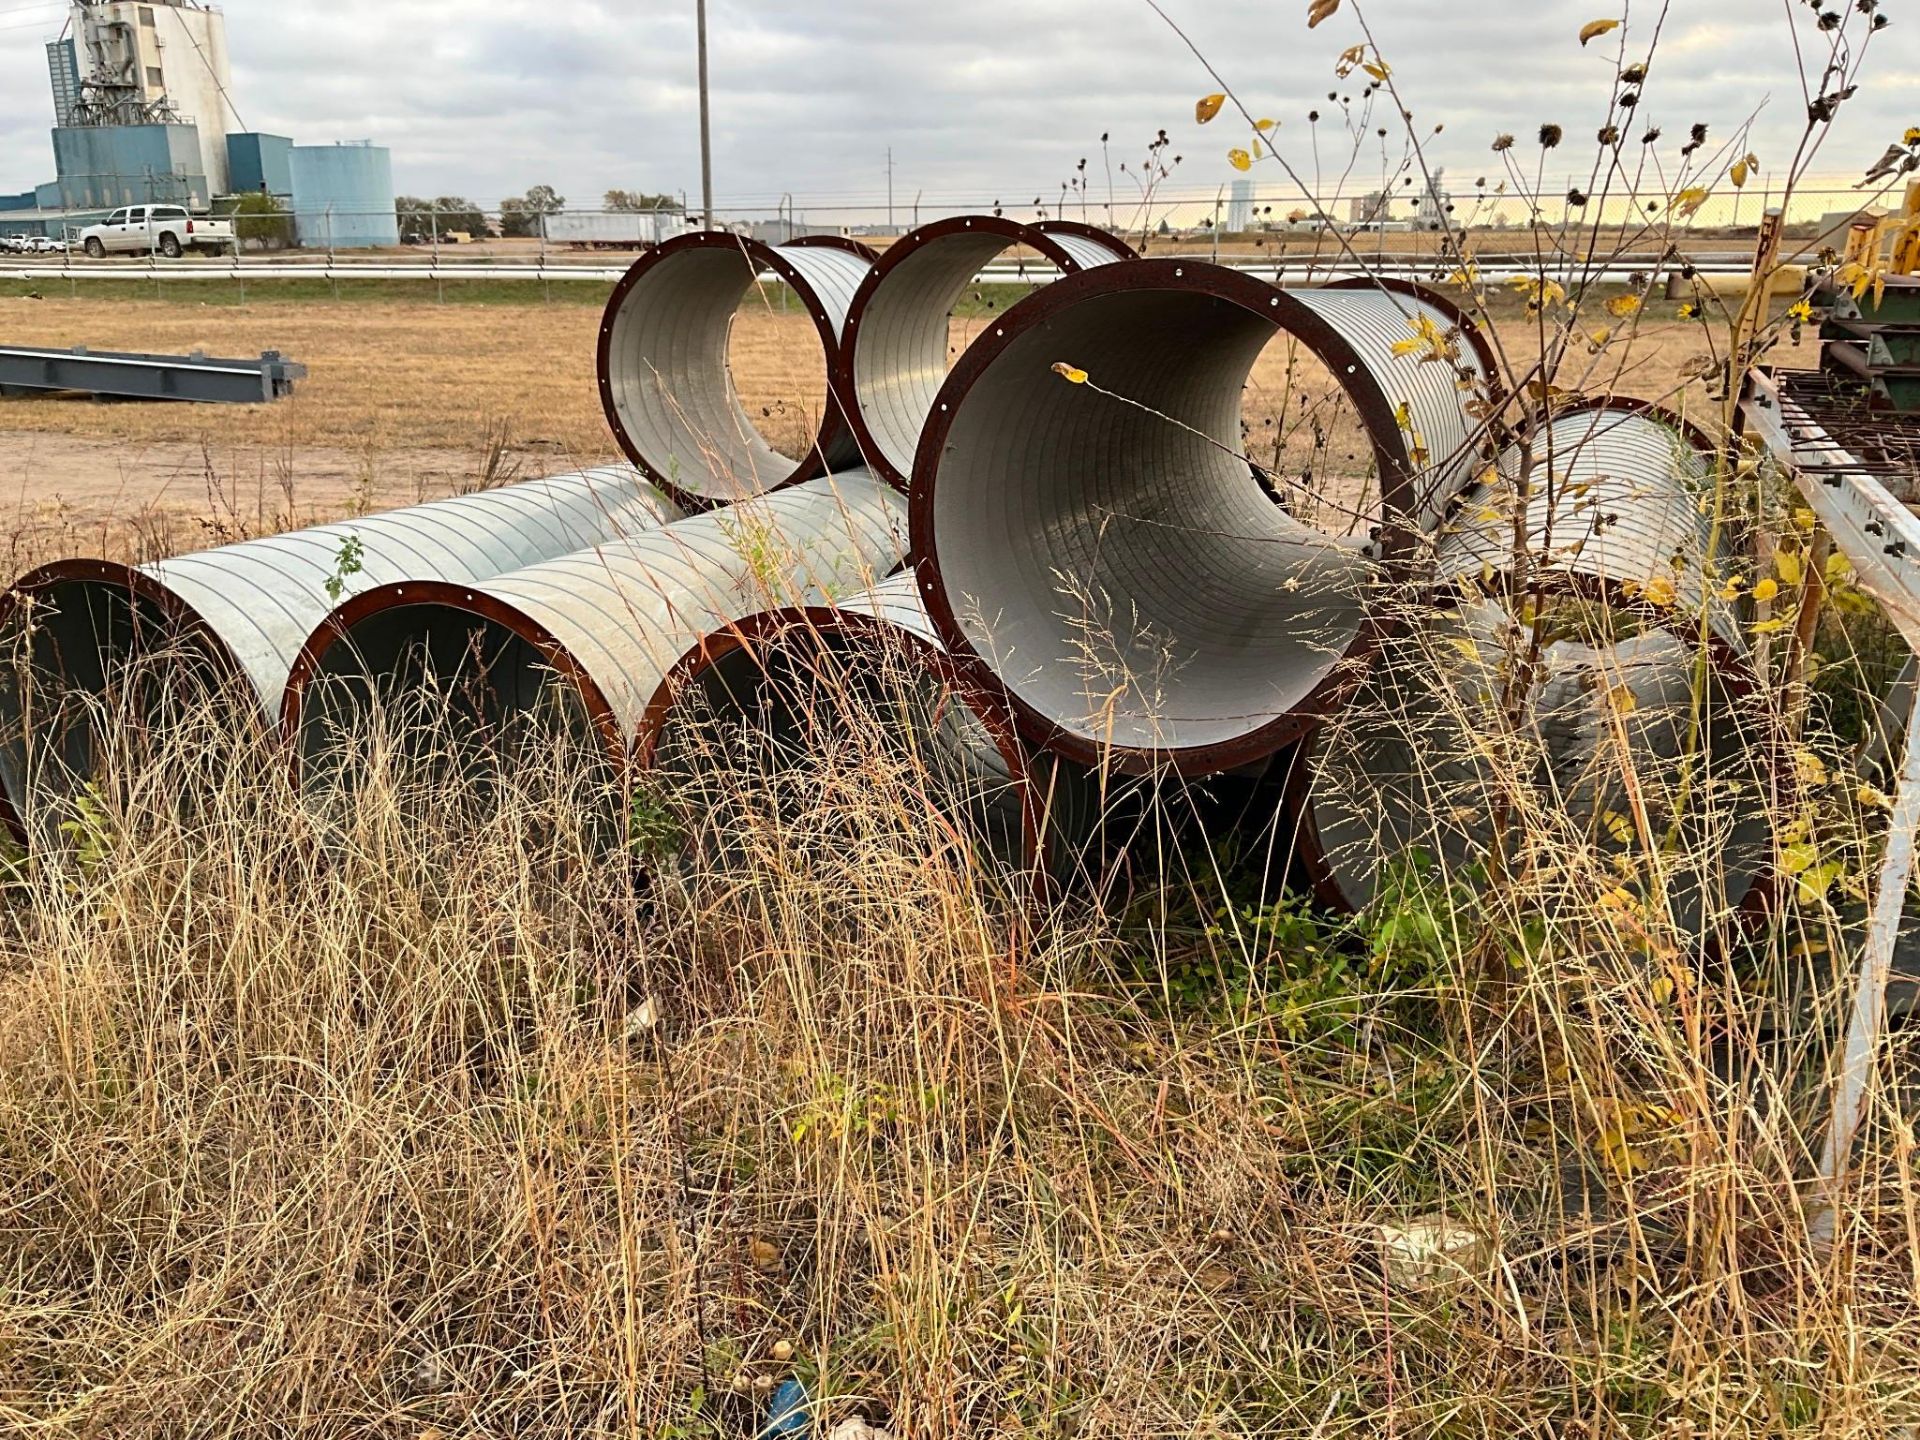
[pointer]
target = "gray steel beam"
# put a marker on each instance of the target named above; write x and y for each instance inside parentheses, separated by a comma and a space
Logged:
(197, 377)
(1881, 539)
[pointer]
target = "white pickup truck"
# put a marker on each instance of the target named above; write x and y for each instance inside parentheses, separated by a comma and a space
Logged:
(143, 229)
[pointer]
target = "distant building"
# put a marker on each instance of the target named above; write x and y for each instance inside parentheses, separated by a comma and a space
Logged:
(143, 113)
(1435, 202)
(1240, 207)
(260, 164)
(1371, 208)
(144, 62)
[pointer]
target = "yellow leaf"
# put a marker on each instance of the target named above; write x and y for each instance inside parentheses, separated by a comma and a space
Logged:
(1800, 311)
(1766, 589)
(1660, 591)
(1912, 137)
(1257, 152)
(1622, 698)
(1600, 337)
(1264, 125)
(1239, 159)
(1769, 627)
(1464, 644)
(1320, 10)
(1071, 374)
(1873, 799)
(1839, 569)
(1618, 826)
(1811, 769)
(1427, 336)
(1208, 106)
(1689, 201)
(1378, 69)
(1803, 519)
(1403, 415)
(1622, 306)
(1811, 886)
(1786, 564)
(1738, 174)
(1594, 29)
(1798, 856)
(1661, 989)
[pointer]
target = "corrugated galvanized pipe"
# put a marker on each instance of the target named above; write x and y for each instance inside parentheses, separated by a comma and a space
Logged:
(1105, 551)
(1615, 498)
(578, 645)
(897, 337)
(867, 686)
(1413, 762)
(73, 630)
(663, 368)
(1670, 793)
(1420, 762)
(1613, 513)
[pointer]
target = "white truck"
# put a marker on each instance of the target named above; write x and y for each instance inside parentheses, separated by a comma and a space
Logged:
(144, 229)
(612, 229)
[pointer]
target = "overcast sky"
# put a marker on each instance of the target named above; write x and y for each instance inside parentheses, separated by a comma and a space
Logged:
(979, 99)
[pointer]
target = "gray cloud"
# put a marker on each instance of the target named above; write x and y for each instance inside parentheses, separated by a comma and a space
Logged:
(980, 99)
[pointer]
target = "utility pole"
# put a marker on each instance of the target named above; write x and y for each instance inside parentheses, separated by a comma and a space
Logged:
(889, 189)
(706, 139)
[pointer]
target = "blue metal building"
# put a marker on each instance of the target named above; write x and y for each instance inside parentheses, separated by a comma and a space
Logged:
(260, 163)
(110, 165)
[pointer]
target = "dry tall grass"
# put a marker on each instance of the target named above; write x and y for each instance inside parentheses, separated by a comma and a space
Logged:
(369, 1125)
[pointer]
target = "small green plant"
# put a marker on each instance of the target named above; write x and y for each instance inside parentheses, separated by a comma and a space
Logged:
(90, 830)
(653, 831)
(346, 563)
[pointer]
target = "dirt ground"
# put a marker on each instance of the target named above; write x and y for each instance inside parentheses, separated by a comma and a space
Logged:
(408, 401)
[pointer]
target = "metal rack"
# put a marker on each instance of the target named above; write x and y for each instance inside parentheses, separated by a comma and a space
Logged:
(1843, 456)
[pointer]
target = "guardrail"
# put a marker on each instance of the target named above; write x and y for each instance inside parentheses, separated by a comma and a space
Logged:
(1293, 267)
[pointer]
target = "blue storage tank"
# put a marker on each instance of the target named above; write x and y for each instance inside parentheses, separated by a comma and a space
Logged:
(257, 162)
(343, 196)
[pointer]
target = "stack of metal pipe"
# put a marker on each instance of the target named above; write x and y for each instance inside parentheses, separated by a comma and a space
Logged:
(1107, 574)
